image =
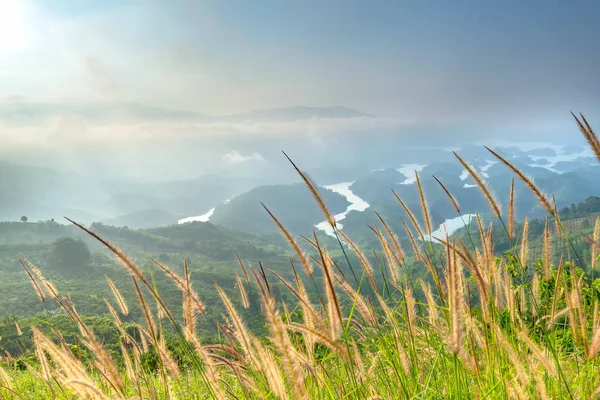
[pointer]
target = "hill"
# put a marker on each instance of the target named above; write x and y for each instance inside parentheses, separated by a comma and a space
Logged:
(293, 205)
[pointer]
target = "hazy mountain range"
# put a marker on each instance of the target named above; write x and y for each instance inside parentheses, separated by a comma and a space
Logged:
(233, 200)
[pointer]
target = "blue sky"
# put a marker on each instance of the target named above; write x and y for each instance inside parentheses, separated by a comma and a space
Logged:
(445, 61)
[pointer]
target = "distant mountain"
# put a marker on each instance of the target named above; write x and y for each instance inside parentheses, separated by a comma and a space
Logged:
(42, 194)
(183, 198)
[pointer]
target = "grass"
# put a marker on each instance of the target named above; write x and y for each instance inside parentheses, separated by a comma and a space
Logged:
(480, 325)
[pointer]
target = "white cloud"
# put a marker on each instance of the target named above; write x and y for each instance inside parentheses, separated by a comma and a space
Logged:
(235, 157)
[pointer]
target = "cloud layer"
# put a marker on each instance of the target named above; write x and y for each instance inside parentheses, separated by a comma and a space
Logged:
(137, 84)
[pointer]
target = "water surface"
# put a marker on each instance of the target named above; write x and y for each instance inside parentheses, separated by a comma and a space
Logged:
(356, 204)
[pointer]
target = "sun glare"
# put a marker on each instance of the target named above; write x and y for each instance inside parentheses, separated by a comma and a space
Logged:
(12, 26)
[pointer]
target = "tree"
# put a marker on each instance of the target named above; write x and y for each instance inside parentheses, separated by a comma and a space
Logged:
(69, 253)
(24, 218)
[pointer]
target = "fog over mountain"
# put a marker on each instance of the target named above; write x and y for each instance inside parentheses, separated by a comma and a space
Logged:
(215, 93)
(144, 114)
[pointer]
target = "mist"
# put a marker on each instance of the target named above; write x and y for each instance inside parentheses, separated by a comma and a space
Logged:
(179, 107)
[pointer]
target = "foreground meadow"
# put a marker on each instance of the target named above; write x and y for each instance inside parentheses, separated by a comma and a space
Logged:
(475, 325)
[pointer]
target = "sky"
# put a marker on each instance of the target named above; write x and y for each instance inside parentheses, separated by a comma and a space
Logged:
(487, 66)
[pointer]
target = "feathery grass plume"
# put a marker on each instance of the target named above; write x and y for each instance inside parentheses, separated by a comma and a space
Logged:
(482, 285)
(37, 287)
(397, 335)
(523, 254)
(271, 371)
(303, 259)
(393, 238)
(130, 372)
(129, 264)
(389, 255)
(573, 320)
(102, 360)
(489, 238)
(239, 259)
(554, 317)
(45, 370)
(454, 272)
(115, 316)
(364, 308)
(333, 305)
(321, 337)
(120, 300)
(512, 355)
(535, 294)
(594, 245)
(509, 293)
(450, 196)
(410, 306)
(190, 307)
(547, 245)
(557, 221)
(19, 331)
(212, 373)
(313, 189)
(242, 291)
(283, 345)
(589, 128)
(166, 357)
(482, 234)
(144, 348)
(146, 312)
(511, 210)
(424, 205)
(411, 216)
(241, 333)
(69, 371)
(558, 289)
(311, 316)
(581, 312)
(432, 307)
(50, 289)
(256, 353)
(476, 351)
(589, 135)
(497, 278)
(542, 198)
(412, 241)
(540, 354)
(364, 262)
(538, 379)
(189, 317)
(595, 344)
(482, 186)
(183, 284)
(6, 380)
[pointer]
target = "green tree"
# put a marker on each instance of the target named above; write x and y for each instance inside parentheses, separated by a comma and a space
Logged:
(24, 218)
(68, 252)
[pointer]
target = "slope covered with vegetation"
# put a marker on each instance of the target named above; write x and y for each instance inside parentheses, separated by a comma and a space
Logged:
(448, 317)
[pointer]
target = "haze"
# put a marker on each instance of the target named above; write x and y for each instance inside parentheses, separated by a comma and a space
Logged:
(147, 89)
